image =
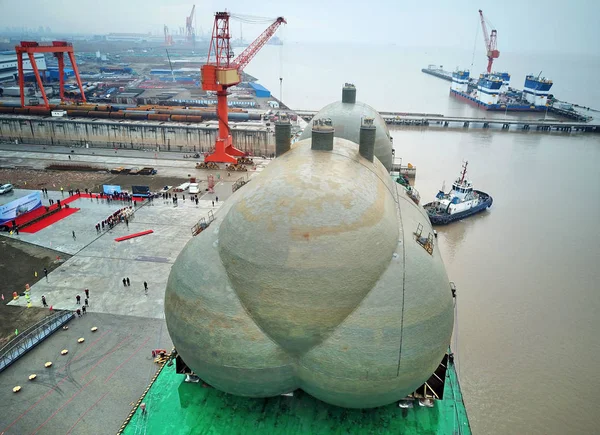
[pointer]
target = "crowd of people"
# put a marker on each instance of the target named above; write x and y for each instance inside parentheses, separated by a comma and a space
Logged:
(122, 215)
(81, 311)
(115, 196)
(173, 197)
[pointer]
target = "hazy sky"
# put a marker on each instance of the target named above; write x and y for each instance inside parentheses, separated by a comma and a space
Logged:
(523, 25)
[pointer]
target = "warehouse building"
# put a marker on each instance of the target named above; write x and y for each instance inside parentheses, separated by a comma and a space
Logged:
(9, 68)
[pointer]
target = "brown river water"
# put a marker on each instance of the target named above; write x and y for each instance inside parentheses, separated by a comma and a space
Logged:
(528, 269)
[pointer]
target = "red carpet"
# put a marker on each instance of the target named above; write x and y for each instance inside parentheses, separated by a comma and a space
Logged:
(131, 236)
(34, 214)
(53, 218)
(28, 217)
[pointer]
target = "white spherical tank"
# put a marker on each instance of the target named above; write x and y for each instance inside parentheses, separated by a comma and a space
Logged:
(311, 277)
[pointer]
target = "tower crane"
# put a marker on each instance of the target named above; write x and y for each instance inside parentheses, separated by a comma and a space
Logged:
(223, 73)
(189, 29)
(490, 43)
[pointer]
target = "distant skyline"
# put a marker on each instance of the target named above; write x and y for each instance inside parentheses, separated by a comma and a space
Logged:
(522, 26)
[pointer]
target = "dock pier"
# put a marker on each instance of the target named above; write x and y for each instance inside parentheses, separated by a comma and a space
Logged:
(438, 72)
(424, 120)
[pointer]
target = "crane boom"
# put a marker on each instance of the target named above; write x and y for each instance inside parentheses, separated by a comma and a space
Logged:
(485, 31)
(189, 29)
(490, 43)
(248, 54)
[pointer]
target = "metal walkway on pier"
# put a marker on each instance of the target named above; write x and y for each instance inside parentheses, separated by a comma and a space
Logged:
(472, 122)
(31, 337)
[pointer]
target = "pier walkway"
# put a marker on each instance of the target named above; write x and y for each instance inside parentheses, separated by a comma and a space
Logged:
(432, 120)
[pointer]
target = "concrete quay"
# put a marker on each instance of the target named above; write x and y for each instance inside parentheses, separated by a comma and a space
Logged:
(169, 164)
(99, 263)
(93, 388)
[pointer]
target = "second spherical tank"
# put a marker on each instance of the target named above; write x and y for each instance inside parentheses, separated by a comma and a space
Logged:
(346, 115)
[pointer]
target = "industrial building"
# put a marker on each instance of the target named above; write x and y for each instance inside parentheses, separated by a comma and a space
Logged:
(8, 65)
(260, 90)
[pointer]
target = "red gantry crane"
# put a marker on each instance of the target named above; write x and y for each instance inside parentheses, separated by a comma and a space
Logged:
(223, 73)
(490, 43)
(58, 48)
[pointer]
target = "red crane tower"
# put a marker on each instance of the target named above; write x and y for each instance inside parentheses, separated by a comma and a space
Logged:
(58, 48)
(189, 29)
(224, 73)
(490, 43)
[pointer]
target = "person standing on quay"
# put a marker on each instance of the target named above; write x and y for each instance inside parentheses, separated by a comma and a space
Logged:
(44, 301)
(128, 283)
(87, 292)
(78, 299)
(145, 287)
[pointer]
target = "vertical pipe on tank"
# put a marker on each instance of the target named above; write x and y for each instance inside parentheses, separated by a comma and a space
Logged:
(322, 135)
(366, 142)
(283, 136)
(349, 93)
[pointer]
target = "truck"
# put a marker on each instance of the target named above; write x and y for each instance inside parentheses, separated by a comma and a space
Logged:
(147, 171)
(182, 187)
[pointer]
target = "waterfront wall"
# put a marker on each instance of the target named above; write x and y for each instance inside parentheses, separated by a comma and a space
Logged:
(130, 134)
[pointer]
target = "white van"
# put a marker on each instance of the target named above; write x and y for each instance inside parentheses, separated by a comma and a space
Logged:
(194, 188)
(182, 187)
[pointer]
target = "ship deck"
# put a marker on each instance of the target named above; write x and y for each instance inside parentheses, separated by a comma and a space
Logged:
(176, 407)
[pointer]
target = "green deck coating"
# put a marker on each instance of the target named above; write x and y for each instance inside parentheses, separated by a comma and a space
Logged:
(176, 407)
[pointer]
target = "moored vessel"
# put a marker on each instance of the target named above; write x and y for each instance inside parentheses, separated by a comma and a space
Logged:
(492, 92)
(462, 201)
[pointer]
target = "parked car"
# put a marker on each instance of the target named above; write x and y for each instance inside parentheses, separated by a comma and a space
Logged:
(5, 188)
(194, 188)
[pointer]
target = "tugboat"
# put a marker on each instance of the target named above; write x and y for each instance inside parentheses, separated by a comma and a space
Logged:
(460, 202)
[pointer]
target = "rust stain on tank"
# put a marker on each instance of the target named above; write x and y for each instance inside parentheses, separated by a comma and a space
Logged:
(370, 217)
